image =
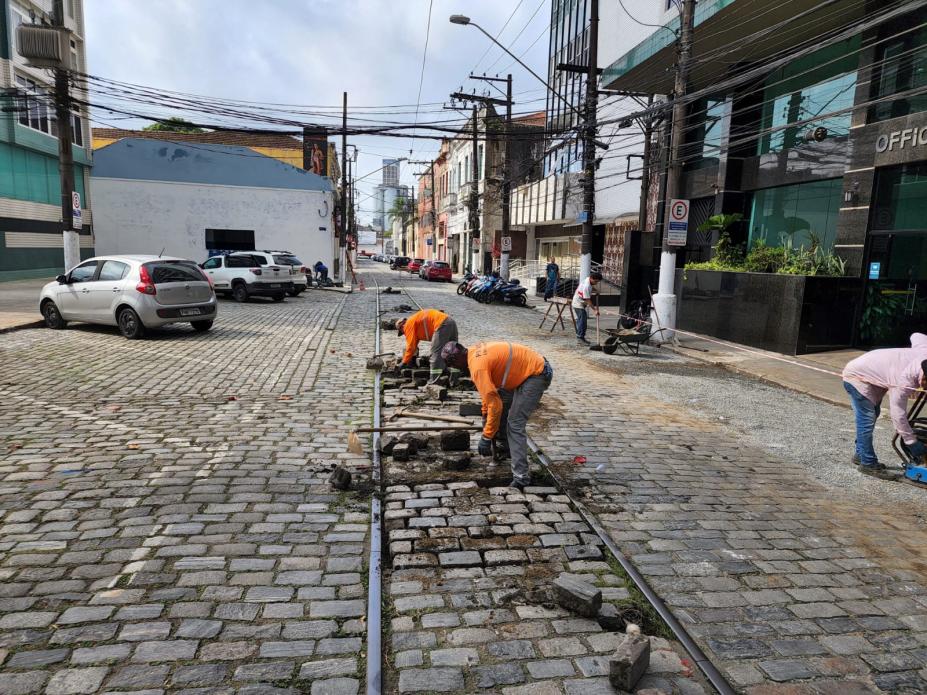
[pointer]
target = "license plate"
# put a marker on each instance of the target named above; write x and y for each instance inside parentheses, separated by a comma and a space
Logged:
(189, 312)
(275, 285)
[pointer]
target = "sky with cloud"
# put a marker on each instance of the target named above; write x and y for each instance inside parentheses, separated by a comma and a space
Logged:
(308, 52)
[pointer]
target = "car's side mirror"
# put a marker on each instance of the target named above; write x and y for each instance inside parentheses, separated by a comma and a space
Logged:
(62, 279)
(202, 265)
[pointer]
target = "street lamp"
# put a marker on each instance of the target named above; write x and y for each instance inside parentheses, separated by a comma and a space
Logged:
(463, 20)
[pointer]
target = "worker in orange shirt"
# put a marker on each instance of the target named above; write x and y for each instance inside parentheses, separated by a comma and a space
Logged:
(432, 325)
(511, 379)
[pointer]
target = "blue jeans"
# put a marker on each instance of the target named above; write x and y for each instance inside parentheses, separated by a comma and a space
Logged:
(867, 413)
(582, 316)
(550, 287)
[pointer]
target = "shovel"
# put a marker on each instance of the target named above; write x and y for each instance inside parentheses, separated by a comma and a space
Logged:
(355, 446)
(598, 343)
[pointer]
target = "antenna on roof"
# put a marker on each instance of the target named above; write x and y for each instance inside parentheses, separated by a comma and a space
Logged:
(162, 251)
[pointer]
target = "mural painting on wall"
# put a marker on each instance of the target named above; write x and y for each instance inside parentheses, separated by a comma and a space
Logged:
(315, 152)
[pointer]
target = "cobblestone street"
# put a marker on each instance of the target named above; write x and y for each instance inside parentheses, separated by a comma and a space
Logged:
(779, 577)
(167, 526)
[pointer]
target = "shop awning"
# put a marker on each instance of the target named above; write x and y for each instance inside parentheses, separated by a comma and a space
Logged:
(722, 28)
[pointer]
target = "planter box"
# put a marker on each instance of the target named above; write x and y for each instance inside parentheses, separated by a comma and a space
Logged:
(791, 314)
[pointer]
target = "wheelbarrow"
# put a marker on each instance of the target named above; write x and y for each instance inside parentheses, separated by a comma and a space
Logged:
(627, 340)
(913, 470)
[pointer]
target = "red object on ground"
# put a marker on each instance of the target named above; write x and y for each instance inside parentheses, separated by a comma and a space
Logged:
(579, 460)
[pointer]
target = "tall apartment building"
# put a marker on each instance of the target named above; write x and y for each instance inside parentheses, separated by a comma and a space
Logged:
(386, 193)
(31, 243)
(811, 122)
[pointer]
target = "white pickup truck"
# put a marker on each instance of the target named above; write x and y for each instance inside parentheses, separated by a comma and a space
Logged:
(244, 274)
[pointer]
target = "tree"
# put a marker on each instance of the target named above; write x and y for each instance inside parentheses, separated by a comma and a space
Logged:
(402, 209)
(173, 125)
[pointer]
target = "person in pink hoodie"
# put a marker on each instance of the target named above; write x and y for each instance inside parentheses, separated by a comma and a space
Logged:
(900, 372)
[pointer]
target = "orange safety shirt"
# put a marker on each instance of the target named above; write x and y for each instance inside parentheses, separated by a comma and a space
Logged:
(420, 326)
(488, 363)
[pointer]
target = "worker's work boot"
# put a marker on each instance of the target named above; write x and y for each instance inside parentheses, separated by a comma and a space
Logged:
(434, 375)
(454, 377)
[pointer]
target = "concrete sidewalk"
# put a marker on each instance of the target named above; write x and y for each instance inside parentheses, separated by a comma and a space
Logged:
(816, 375)
(19, 304)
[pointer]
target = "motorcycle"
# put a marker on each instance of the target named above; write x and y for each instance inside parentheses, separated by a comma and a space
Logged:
(510, 293)
(465, 283)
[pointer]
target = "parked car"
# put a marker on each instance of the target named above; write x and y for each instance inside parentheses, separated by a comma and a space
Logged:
(415, 264)
(400, 263)
(241, 275)
(299, 273)
(437, 270)
(131, 292)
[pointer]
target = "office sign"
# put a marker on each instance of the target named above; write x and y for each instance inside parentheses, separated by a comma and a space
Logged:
(677, 232)
(900, 139)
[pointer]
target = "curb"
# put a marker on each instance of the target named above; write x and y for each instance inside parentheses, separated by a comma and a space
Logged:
(38, 323)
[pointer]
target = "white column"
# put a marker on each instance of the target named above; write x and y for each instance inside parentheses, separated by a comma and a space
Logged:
(663, 313)
(71, 249)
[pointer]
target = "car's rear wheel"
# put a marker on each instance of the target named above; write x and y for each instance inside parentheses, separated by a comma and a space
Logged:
(279, 297)
(52, 316)
(240, 293)
(294, 292)
(201, 326)
(130, 325)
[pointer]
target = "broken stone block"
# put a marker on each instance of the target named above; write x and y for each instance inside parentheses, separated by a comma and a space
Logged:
(455, 440)
(402, 452)
(424, 362)
(609, 618)
(457, 463)
(421, 373)
(436, 392)
(578, 596)
(375, 363)
(629, 662)
(387, 442)
(340, 479)
(471, 409)
(416, 441)
(389, 384)
(420, 382)
(388, 324)
(466, 384)
(406, 373)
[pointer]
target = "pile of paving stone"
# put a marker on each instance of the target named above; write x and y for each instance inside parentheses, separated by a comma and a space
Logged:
(496, 588)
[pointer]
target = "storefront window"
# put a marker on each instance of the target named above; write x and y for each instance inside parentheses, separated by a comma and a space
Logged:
(900, 201)
(804, 92)
(803, 214)
(903, 62)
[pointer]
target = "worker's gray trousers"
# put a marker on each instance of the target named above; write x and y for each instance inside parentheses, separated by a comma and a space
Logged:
(447, 332)
(517, 406)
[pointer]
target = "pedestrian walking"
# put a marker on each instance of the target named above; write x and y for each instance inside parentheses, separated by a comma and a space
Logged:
(552, 272)
(900, 372)
(511, 379)
(434, 326)
(582, 302)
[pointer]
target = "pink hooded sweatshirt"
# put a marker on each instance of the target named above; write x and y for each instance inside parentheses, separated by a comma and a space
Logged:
(896, 370)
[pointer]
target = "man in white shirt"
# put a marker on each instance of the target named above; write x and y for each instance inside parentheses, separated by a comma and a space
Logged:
(582, 301)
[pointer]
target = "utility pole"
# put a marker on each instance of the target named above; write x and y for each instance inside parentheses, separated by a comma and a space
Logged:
(343, 233)
(71, 238)
(506, 182)
(589, 143)
(475, 193)
(664, 301)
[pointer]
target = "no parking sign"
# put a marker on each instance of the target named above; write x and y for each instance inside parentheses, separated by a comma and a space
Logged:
(678, 231)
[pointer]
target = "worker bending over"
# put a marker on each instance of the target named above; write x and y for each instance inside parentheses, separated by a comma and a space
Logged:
(432, 325)
(898, 372)
(511, 379)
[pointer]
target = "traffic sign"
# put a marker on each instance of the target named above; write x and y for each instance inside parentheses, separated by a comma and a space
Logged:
(76, 221)
(506, 243)
(677, 232)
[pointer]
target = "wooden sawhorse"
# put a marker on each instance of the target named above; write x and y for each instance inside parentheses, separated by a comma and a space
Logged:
(561, 304)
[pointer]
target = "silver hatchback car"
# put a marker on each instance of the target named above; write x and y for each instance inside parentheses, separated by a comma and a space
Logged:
(131, 292)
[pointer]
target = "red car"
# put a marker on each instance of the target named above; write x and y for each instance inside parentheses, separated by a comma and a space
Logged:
(415, 264)
(438, 270)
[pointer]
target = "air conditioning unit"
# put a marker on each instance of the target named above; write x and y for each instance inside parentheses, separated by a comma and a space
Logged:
(44, 47)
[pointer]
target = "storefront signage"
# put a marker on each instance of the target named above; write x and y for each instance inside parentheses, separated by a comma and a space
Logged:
(678, 231)
(900, 139)
(875, 269)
